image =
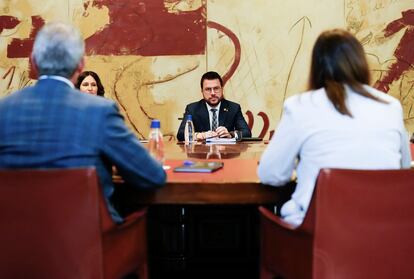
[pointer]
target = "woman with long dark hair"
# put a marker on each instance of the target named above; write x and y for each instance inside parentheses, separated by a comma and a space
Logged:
(341, 122)
(89, 82)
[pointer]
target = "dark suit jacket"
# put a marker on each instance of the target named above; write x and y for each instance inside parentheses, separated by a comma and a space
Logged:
(51, 125)
(230, 116)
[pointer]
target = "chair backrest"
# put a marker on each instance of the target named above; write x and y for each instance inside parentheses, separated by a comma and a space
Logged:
(364, 224)
(50, 224)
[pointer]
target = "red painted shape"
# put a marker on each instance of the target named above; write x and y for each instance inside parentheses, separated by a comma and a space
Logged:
(271, 133)
(250, 119)
(404, 51)
(237, 48)
(21, 48)
(265, 128)
(11, 71)
(146, 28)
(265, 124)
(8, 22)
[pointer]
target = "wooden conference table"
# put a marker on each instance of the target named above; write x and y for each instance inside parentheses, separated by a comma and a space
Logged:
(235, 183)
(206, 224)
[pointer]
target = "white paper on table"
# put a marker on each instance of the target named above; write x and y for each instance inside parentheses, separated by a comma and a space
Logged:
(221, 141)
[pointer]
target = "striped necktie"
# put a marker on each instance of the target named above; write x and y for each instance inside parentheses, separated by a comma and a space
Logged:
(214, 120)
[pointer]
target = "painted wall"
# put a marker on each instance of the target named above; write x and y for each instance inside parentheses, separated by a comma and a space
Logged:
(151, 54)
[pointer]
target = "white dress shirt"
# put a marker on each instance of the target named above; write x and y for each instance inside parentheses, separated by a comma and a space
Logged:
(210, 114)
(312, 135)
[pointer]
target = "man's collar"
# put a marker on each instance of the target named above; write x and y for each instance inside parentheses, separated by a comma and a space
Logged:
(60, 78)
(216, 107)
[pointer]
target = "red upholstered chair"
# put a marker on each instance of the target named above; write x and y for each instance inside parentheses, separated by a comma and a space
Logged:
(55, 225)
(360, 224)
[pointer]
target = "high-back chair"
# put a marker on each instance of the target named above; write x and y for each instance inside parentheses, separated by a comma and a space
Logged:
(360, 224)
(55, 224)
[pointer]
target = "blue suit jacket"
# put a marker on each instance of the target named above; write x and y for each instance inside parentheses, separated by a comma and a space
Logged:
(51, 125)
(230, 116)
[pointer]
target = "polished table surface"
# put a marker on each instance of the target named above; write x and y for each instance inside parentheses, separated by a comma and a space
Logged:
(235, 183)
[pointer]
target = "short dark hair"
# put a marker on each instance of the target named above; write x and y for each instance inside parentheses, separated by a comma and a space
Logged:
(83, 75)
(338, 59)
(210, 76)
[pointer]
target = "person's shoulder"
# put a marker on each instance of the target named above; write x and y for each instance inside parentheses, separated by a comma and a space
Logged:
(89, 98)
(230, 103)
(16, 95)
(391, 103)
(92, 102)
(304, 98)
(196, 104)
(199, 102)
(381, 95)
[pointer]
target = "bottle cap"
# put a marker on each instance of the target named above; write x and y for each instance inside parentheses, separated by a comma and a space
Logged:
(189, 117)
(155, 123)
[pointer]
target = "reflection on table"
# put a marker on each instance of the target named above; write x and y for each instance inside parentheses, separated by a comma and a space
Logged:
(243, 150)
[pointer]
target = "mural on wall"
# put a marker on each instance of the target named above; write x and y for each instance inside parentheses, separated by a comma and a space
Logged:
(151, 54)
(151, 29)
(403, 53)
(386, 29)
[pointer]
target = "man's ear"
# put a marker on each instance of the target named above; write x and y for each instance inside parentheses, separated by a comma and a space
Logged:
(78, 71)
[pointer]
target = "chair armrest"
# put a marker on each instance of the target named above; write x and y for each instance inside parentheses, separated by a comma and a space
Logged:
(279, 221)
(133, 218)
(109, 225)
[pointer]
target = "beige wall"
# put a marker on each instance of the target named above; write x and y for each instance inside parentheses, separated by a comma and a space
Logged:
(275, 36)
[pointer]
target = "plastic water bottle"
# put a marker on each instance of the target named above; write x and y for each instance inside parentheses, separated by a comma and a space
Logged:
(189, 130)
(155, 142)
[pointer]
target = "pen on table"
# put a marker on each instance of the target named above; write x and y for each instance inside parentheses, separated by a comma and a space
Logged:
(218, 136)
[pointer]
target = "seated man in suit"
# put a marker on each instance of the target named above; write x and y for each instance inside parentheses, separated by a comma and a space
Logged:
(54, 125)
(214, 116)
